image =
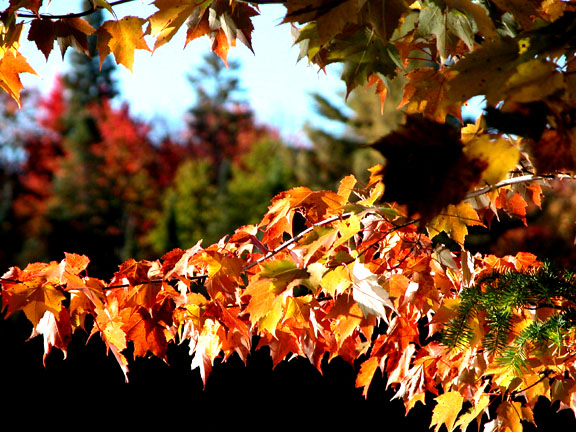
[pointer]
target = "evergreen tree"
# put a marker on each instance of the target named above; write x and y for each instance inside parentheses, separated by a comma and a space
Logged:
(220, 127)
(230, 167)
(99, 189)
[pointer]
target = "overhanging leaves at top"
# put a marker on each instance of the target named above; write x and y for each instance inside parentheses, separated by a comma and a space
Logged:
(364, 252)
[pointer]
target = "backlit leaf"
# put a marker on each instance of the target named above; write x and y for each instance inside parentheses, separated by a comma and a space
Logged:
(500, 156)
(455, 221)
(171, 14)
(369, 294)
(11, 66)
(447, 409)
(121, 38)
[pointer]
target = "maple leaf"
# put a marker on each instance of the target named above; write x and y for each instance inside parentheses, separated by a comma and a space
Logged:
(72, 32)
(12, 64)
(484, 72)
(367, 370)
(74, 263)
(446, 411)
(369, 294)
(532, 81)
(35, 296)
(32, 5)
(363, 55)
(261, 300)
(448, 26)
(135, 272)
(384, 17)
(479, 14)
(346, 317)
(85, 301)
(56, 330)
(224, 273)
(223, 23)
(425, 92)
(43, 33)
(508, 418)
(205, 347)
(481, 402)
(336, 281)
(171, 14)
(122, 38)
(455, 221)
(426, 168)
(315, 205)
(146, 333)
(110, 323)
(500, 155)
(282, 274)
(238, 335)
(331, 16)
(282, 344)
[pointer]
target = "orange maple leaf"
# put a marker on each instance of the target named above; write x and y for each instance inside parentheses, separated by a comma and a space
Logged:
(367, 370)
(12, 64)
(146, 333)
(425, 92)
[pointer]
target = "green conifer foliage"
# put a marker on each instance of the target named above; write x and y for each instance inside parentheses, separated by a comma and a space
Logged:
(487, 314)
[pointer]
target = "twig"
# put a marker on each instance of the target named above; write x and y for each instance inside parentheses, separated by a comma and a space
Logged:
(295, 239)
(71, 15)
(514, 180)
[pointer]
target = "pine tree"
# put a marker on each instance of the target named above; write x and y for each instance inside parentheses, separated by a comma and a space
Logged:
(86, 81)
(230, 167)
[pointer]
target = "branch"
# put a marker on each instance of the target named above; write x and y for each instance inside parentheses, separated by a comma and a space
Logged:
(295, 239)
(72, 15)
(515, 180)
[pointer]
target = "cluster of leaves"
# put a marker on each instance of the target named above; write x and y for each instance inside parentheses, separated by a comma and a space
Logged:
(366, 280)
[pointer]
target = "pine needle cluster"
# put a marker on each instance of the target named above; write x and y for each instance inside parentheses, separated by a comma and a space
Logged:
(491, 310)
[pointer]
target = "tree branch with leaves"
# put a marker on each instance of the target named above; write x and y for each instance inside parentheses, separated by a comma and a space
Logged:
(370, 271)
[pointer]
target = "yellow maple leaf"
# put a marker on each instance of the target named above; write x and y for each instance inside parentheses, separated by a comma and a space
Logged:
(455, 221)
(121, 38)
(170, 16)
(36, 298)
(447, 409)
(509, 417)
(500, 156)
(336, 281)
(533, 81)
(474, 413)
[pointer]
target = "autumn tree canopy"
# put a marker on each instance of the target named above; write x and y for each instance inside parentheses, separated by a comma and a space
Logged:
(379, 272)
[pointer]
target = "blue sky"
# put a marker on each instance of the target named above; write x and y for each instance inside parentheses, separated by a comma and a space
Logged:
(277, 86)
